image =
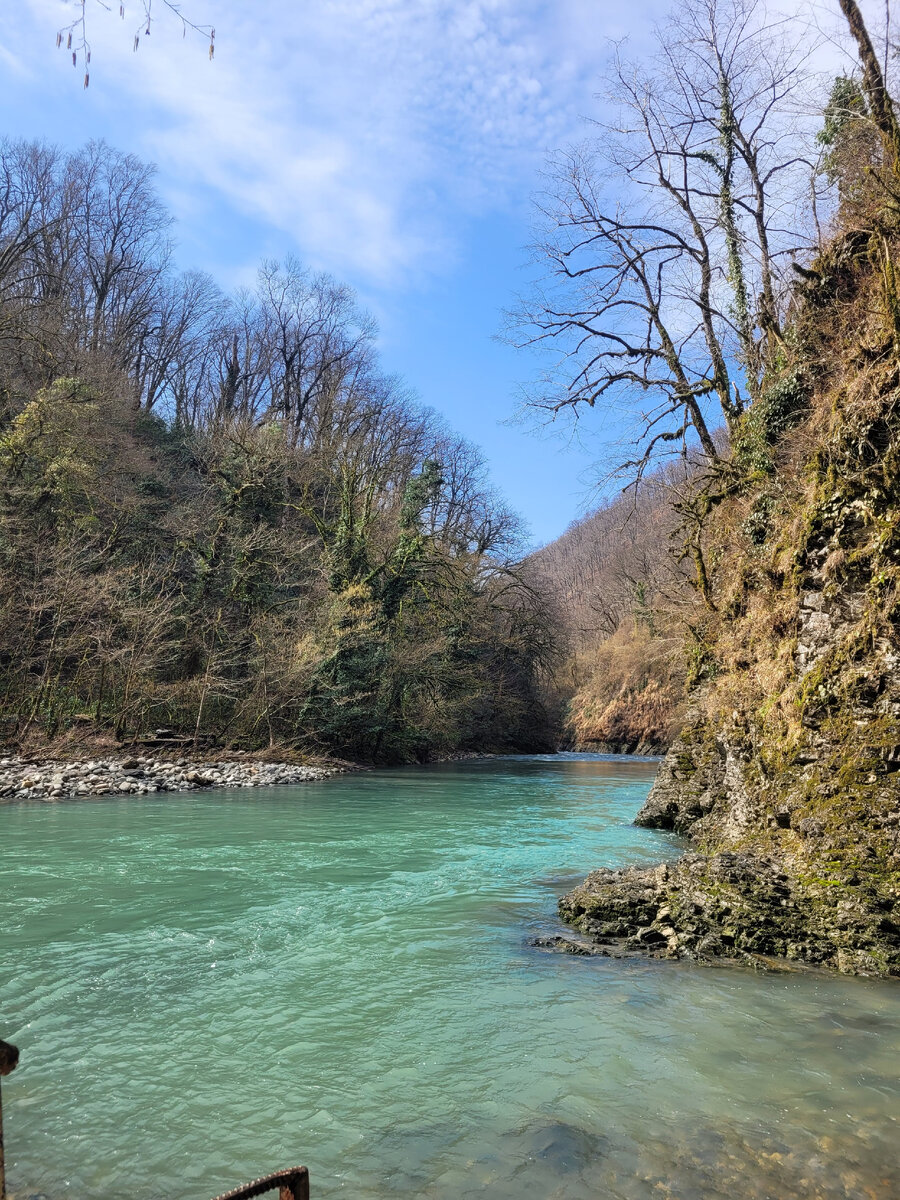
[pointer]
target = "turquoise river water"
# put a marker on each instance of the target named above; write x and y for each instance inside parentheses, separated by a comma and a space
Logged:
(207, 987)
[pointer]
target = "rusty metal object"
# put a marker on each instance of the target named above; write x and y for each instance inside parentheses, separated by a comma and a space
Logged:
(9, 1060)
(292, 1184)
(9, 1057)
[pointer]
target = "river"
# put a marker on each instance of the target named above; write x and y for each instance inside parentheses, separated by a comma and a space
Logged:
(209, 986)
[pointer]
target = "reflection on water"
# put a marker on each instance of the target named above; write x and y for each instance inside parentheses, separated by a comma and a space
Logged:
(210, 986)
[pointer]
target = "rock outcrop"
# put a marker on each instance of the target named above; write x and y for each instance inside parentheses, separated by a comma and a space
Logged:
(796, 865)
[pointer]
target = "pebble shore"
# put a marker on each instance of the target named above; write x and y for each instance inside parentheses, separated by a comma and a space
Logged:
(54, 779)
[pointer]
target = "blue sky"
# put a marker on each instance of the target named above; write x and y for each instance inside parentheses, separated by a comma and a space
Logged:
(395, 143)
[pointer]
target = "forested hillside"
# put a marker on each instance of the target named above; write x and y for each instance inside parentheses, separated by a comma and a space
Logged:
(219, 516)
(620, 595)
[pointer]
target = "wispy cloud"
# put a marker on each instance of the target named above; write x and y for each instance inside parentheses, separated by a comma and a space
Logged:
(365, 130)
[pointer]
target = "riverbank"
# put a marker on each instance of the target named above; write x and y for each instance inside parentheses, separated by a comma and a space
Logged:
(46, 776)
(633, 748)
(26, 778)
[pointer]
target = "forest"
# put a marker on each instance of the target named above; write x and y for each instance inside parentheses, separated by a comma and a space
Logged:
(219, 517)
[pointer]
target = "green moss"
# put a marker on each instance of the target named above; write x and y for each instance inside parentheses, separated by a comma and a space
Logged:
(685, 765)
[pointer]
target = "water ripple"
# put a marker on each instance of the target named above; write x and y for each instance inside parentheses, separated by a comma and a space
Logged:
(206, 987)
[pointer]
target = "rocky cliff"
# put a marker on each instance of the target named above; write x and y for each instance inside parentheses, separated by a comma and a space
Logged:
(786, 776)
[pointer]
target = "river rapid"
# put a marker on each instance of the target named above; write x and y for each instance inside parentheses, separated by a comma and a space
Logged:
(210, 986)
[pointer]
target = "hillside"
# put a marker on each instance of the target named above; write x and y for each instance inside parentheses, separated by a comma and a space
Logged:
(620, 594)
(219, 517)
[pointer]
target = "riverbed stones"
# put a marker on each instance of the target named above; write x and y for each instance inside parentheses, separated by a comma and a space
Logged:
(56, 780)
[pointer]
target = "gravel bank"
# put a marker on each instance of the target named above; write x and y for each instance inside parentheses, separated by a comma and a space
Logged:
(54, 779)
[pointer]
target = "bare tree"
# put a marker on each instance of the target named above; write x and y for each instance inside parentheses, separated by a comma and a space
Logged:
(173, 349)
(317, 337)
(123, 247)
(670, 234)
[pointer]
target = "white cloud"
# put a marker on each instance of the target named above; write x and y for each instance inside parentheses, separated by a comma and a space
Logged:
(365, 130)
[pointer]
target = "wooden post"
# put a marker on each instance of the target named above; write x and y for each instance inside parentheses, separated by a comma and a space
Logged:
(9, 1058)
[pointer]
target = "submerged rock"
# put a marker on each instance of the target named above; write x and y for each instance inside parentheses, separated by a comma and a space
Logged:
(565, 945)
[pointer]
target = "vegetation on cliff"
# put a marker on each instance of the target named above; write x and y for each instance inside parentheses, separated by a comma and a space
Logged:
(219, 516)
(786, 773)
(666, 254)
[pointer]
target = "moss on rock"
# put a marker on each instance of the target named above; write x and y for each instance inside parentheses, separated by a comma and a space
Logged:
(786, 775)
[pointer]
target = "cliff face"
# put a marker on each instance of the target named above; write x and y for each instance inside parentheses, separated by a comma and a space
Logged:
(795, 865)
(786, 776)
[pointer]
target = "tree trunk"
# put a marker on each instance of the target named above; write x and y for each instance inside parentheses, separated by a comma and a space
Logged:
(879, 99)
